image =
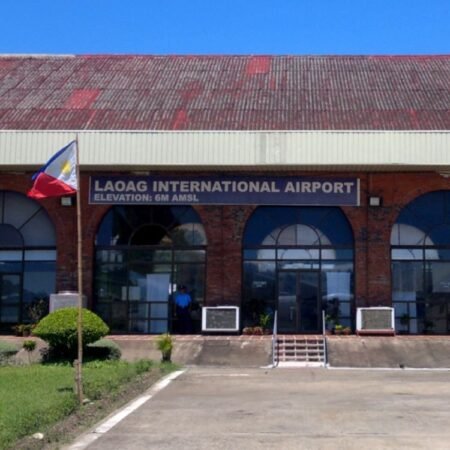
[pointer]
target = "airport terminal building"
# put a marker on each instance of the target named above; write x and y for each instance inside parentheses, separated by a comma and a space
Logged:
(273, 183)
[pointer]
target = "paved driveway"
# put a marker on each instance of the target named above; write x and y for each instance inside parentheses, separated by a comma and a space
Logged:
(221, 408)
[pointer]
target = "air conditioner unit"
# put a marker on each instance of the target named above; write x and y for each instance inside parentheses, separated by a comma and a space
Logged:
(377, 320)
(220, 319)
(65, 299)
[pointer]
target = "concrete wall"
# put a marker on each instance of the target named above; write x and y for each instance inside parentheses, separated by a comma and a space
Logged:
(346, 351)
(217, 351)
(393, 352)
(245, 351)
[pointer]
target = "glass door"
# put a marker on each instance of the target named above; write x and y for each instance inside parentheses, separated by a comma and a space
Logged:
(308, 299)
(287, 302)
(298, 301)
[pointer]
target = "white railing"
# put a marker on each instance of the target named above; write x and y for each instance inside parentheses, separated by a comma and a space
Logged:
(274, 338)
(324, 334)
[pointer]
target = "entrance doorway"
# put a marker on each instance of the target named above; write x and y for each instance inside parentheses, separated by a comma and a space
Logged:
(299, 301)
(299, 261)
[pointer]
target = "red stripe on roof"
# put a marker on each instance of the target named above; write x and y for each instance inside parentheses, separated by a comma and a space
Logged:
(82, 98)
(181, 120)
(258, 64)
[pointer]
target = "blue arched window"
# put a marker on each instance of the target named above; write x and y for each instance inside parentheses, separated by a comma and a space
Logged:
(298, 260)
(27, 257)
(420, 252)
(142, 254)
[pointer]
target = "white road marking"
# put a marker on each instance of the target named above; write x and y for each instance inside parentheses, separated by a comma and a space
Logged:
(222, 375)
(85, 440)
(393, 369)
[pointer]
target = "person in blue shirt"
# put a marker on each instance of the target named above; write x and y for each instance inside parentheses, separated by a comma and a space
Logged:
(183, 310)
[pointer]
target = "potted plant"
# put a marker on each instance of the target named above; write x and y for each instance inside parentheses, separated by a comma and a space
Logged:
(249, 331)
(329, 324)
(164, 344)
(23, 329)
(264, 323)
(342, 330)
(346, 331)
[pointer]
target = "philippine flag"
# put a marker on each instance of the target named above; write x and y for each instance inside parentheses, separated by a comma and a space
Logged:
(59, 176)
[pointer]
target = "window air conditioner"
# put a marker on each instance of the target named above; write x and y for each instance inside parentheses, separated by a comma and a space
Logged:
(379, 320)
(220, 318)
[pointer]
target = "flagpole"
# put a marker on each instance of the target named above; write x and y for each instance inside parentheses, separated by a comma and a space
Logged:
(79, 362)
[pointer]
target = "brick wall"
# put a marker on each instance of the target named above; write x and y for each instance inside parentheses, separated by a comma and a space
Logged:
(225, 225)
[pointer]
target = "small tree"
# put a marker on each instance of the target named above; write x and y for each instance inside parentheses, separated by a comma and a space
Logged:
(38, 309)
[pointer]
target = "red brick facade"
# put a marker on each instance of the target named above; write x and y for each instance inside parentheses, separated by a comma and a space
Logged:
(224, 226)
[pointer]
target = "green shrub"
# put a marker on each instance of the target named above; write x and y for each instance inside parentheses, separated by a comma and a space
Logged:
(103, 349)
(264, 321)
(60, 330)
(7, 350)
(164, 343)
(29, 345)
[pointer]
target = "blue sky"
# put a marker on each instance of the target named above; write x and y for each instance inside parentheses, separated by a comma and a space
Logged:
(225, 27)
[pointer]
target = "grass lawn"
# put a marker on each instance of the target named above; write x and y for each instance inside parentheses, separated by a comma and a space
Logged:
(34, 397)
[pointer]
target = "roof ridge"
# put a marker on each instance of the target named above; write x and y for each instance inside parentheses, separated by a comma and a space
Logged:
(225, 56)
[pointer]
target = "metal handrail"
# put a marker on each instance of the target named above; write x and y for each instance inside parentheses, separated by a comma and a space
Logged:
(325, 349)
(324, 323)
(274, 336)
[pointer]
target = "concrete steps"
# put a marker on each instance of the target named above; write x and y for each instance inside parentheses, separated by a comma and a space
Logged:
(300, 351)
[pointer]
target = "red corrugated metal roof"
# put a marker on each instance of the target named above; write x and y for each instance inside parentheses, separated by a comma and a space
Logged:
(225, 92)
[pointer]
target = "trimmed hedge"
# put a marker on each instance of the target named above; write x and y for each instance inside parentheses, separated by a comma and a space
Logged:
(60, 330)
(104, 349)
(7, 350)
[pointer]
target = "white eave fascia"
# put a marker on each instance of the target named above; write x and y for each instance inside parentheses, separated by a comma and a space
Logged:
(233, 150)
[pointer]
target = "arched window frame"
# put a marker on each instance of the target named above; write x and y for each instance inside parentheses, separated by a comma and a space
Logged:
(268, 255)
(28, 265)
(420, 256)
(170, 253)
